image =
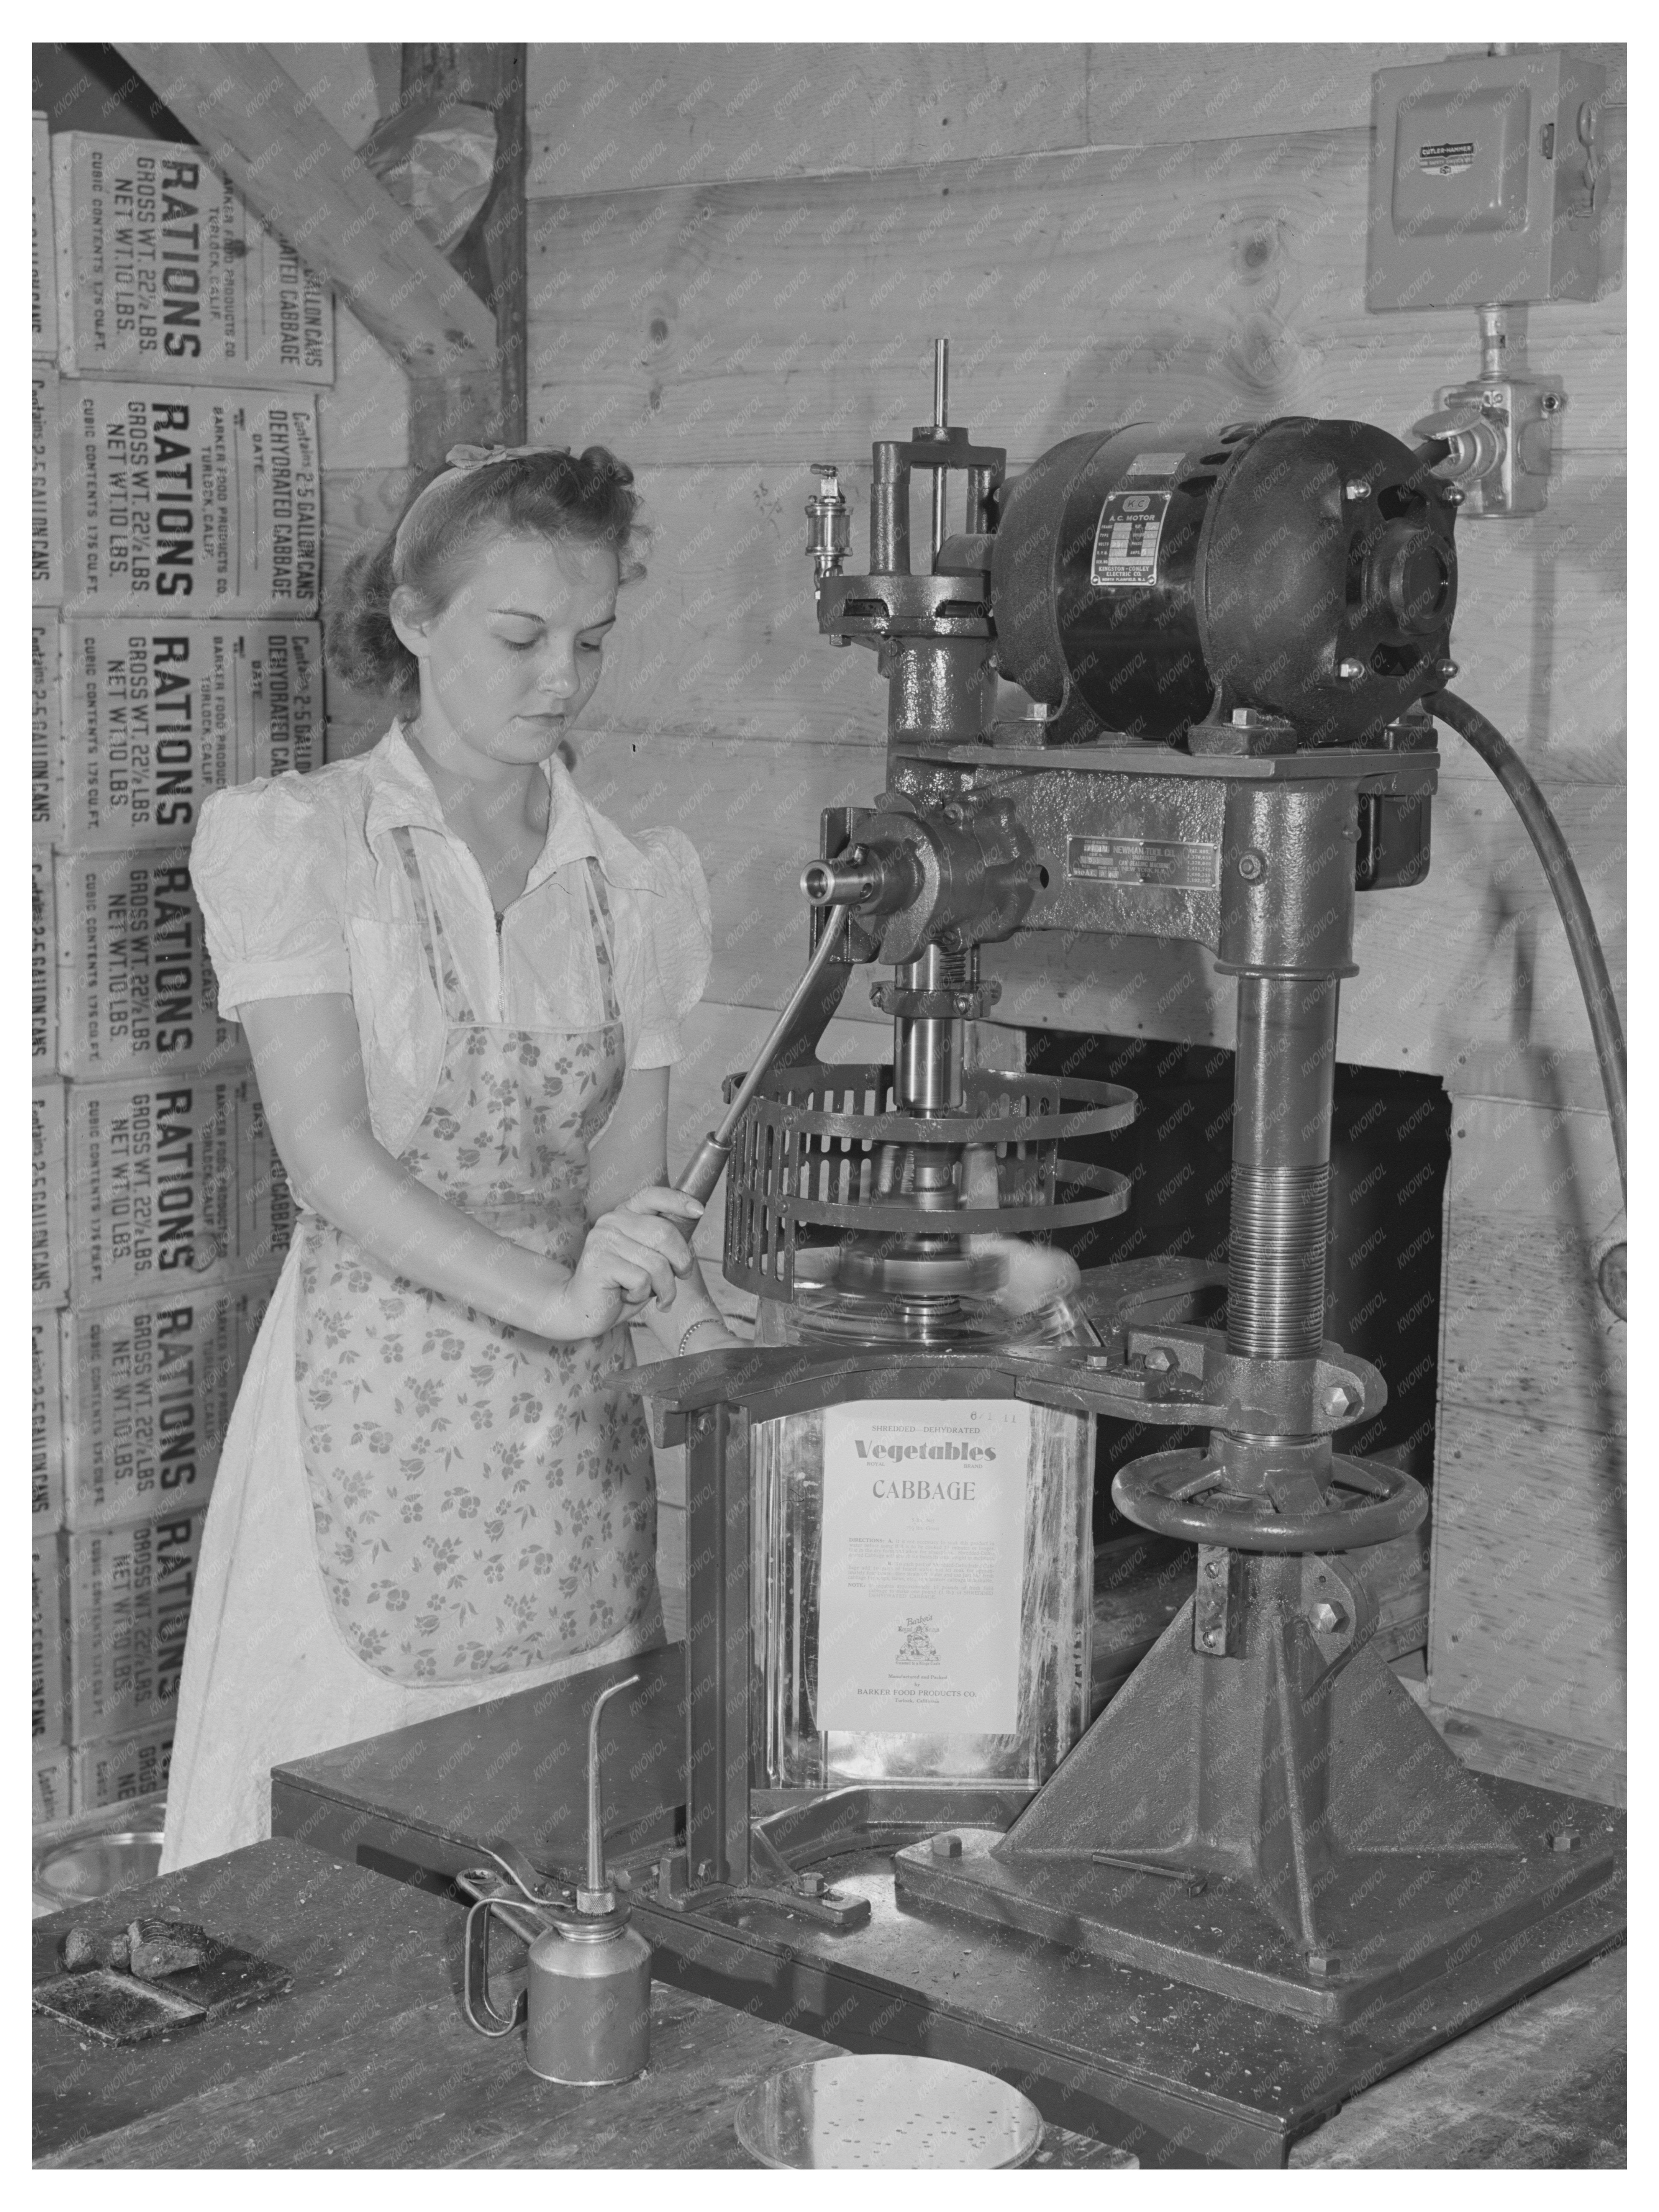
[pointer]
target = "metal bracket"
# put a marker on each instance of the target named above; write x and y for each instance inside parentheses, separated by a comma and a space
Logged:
(780, 1888)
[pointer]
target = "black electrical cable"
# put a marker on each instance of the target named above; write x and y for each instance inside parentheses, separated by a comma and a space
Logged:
(1551, 847)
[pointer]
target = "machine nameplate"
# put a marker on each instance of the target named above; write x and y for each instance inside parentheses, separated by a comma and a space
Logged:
(1147, 861)
(923, 1565)
(1125, 540)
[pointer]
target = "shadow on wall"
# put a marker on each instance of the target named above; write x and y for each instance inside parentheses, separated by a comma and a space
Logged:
(1390, 1151)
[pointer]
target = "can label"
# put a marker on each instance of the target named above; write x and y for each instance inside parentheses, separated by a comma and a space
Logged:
(1163, 861)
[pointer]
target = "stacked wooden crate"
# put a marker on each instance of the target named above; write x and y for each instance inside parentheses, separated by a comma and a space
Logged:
(181, 350)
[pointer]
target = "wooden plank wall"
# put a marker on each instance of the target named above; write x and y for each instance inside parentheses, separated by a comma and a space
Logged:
(740, 257)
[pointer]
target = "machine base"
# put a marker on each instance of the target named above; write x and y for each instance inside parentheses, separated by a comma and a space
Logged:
(1399, 1920)
(1182, 2074)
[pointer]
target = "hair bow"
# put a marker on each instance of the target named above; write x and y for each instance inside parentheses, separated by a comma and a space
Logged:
(460, 461)
(465, 458)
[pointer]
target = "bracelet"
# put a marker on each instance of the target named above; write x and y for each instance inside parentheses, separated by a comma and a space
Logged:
(703, 1321)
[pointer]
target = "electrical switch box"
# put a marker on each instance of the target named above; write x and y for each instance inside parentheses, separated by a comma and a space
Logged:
(1486, 181)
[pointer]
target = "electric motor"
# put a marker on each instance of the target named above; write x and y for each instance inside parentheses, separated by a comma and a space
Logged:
(1145, 581)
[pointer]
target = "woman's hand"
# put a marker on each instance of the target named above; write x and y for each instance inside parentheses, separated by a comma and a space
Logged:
(633, 1254)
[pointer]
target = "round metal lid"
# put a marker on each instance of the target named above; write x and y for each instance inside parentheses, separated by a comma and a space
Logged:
(880, 2111)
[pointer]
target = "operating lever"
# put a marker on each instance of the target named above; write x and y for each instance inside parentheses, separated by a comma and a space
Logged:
(796, 1031)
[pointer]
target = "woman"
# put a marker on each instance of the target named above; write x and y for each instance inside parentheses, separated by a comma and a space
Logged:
(461, 987)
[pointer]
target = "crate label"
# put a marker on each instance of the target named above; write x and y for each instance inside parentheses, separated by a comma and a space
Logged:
(923, 1566)
(151, 1387)
(157, 715)
(48, 1183)
(43, 966)
(188, 501)
(43, 297)
(45, 744)
(52, 1801)
(46, 490)
(130, 1767)
(163, 271)
(47, 1681)
(135, 988)
(45, 1425)
(130, 1591)
(173, 1182)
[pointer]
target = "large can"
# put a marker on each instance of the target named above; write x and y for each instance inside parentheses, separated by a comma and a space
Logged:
(924, 1579)
(1146, 580)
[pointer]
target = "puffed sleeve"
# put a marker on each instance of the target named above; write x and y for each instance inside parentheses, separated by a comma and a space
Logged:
(268, 873)
(677, 939)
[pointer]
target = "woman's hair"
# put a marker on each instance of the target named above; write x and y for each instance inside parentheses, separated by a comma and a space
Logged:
(588, 498)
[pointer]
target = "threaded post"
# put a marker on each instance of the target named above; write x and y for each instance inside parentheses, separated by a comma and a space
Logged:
(1280, 1211)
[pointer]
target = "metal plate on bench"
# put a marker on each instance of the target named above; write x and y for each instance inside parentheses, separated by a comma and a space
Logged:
(885, 2111)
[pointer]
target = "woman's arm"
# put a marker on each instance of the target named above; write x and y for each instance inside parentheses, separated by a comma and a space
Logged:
(308, 1055)
(630, 1155)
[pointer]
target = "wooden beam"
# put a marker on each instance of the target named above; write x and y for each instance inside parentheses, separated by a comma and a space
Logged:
(258, 127)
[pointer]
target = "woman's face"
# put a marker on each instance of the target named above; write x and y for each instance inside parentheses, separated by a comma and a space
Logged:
(514, 657)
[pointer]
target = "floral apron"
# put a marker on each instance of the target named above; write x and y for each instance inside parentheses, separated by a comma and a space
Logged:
(483, 1498)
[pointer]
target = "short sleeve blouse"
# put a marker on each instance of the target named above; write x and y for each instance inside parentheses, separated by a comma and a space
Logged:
(304, 890)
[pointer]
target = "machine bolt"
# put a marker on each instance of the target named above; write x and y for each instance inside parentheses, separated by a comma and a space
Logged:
(1209, 1638)
(1338, 1400)
(1212, 1569)
(1252, 868)
(1356, 489)
(954, 810)
(705, 1870)
(1563, 1839)
(811, 1885)
(1159, 1360)
(1325, 1618)
(1351, 670)
(1552, 403)
(1445, 670)
(1322, 1963)
(964, 1005)
(1453, 495)
(946, 1847)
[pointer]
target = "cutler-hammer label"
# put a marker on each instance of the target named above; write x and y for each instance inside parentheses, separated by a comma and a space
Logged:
(1165, 861)
(1125, 539)
(1450, 157)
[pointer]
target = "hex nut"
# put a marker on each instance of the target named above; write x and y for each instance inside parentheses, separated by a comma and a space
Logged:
(946, 1847)
(1252, 868)
(1563, 1839)
(1322, 1962)
(1356, 489)
(1338, 1400)
(1327, 1619)
(1159, 1359)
